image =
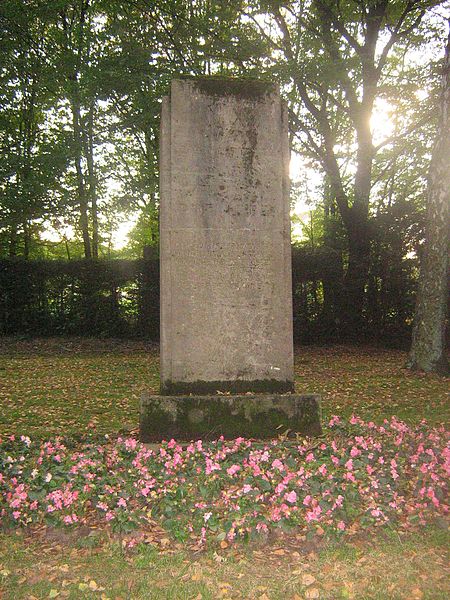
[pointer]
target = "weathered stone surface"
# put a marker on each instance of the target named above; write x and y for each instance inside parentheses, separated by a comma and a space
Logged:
(208, 417)
(226, 298)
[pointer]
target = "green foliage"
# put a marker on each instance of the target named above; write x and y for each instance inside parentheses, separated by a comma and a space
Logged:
(80, 95)
(121, 297)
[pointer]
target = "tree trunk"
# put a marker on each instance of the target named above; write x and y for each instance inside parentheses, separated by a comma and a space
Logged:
(428, 352)
(26, 240)
(13, 240)
(356, 276)
(81, 188)
(92, 178)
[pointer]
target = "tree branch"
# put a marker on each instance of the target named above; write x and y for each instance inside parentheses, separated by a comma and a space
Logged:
(425, 119)
(398, 34)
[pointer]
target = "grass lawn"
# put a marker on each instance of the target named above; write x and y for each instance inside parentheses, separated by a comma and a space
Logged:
(70, 387)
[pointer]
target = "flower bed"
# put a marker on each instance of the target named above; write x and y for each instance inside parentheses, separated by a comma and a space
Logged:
(360, 475)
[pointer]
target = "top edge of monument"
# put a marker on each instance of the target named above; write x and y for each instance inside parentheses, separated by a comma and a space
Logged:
(218, 85)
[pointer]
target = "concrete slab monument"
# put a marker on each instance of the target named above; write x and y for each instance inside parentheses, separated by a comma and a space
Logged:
(225, 258)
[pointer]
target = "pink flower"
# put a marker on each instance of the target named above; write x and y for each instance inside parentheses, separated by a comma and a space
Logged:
(322, 469)
(341, 525)
(291, 497)
(16, 514)
(280, 488)
(233, 469)
(314, 514)
(130, 444)
(277, 464)
(309, 457)
(211, 466)
(122, 502)
(355, 452)
(339, 501)
(307, 500)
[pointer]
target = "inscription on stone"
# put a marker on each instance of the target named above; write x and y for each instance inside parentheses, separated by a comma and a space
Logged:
(226, 306)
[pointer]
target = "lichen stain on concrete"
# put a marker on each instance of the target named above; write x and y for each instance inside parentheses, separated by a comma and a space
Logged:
(244, 87)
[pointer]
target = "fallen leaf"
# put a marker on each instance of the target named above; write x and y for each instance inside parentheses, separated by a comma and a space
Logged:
(308, 579)
(312, 594)
(53, 593)
(218, 558)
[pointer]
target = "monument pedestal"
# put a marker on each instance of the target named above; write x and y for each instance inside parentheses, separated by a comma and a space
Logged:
(225, 266)
(258, 416)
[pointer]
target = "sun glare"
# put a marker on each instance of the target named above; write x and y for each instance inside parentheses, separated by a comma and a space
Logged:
(382, 122)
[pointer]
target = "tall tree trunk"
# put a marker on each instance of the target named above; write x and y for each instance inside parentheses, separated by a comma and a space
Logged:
(12, 250)
(356, 275)
(81, 188)
(89, 152)
(332, 286)
(75, 101)
(26, 240)
(428, 352)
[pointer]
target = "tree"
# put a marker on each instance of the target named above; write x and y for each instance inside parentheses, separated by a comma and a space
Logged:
(33, 150)
(428, 351)
(337, 60)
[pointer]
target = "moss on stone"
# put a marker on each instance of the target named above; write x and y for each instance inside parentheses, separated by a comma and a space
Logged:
(237, 386)
(258, 416)
(244, 87)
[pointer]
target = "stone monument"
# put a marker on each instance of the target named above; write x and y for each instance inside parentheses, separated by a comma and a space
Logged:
(225, 263)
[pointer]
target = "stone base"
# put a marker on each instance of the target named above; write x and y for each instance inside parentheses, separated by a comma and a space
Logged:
(208, 417)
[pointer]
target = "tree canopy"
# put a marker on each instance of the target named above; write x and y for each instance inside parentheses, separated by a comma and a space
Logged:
(80, 93)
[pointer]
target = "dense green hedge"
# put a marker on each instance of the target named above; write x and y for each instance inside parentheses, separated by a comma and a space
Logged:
(121, 298)
(97, 298)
